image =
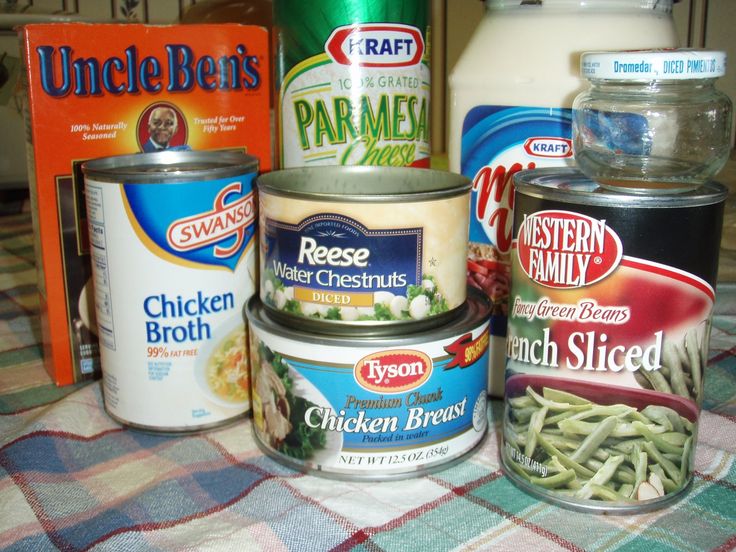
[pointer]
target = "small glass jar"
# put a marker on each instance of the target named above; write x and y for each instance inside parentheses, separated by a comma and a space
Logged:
(652, 120)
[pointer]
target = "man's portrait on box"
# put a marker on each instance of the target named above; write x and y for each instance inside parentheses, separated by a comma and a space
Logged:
(162, 126)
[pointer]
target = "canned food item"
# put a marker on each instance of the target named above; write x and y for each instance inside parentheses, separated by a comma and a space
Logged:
(357, 407)
(352, 79)
(652, 120)
(171, 240)
(362, 247)
(609, 322)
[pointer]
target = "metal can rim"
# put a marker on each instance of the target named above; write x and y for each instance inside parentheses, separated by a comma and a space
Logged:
(471, 314)
(361, 184)
(590, 506)
(372, 328)
(178, 430)
(171, 166)
(326, 473)
(546, 183)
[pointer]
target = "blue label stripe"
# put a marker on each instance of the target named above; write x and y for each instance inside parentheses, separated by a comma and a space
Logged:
(336, 384)
(394, 255)
(488, 131)
(154, 207)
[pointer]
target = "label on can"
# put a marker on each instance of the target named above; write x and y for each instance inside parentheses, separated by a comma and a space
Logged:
(368, 262)
(173, 264)
(354, 83)
(365, 409)
(497, 142)
(607, 344)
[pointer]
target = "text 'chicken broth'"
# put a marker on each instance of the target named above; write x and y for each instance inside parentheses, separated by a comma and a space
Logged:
(171, 239)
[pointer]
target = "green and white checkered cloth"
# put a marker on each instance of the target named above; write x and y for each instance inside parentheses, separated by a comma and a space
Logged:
(73, 479)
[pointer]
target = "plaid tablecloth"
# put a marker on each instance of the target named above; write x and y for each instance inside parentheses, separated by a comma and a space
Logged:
(72, 479)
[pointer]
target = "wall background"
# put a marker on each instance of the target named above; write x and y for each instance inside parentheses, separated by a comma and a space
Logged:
(700, 24)
(143, 11)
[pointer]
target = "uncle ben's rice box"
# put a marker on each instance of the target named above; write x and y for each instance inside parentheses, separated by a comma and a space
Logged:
(95, 90)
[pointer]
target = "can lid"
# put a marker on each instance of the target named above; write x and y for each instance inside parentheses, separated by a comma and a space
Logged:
(170, 166)
(472, 314)
(570, 185)
(363, 184)
(643, 65)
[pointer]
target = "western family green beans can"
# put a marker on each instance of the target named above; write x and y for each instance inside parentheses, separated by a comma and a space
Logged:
(352, 81)
(609, 322)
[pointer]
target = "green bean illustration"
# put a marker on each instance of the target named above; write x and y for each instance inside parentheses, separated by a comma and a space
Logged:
(682, 367)
(615, 453)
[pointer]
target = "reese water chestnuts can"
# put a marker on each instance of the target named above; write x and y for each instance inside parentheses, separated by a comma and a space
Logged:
(374, 248)
(171, 240)
(609, 322)
(361, 407)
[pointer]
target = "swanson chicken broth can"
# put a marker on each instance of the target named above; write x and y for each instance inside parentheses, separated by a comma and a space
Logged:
(171, 240)
(374, 248)
(352, 79)
(609, 323)
(368, 407)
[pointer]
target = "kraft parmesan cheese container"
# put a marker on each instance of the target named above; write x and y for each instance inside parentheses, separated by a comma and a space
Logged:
(370, 408)
(352, 81)
(609, 322)
(368, 248)
(171, 239)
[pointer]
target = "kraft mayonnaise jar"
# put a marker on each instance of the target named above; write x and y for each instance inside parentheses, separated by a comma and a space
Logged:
(171, 243)
(511, 94)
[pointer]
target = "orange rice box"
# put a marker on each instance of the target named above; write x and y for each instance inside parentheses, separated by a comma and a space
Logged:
(95, 90)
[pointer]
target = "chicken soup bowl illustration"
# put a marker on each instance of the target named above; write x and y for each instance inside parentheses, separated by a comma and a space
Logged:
(222, 370)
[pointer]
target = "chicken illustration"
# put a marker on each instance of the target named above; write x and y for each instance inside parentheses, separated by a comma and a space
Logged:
(274, 405)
